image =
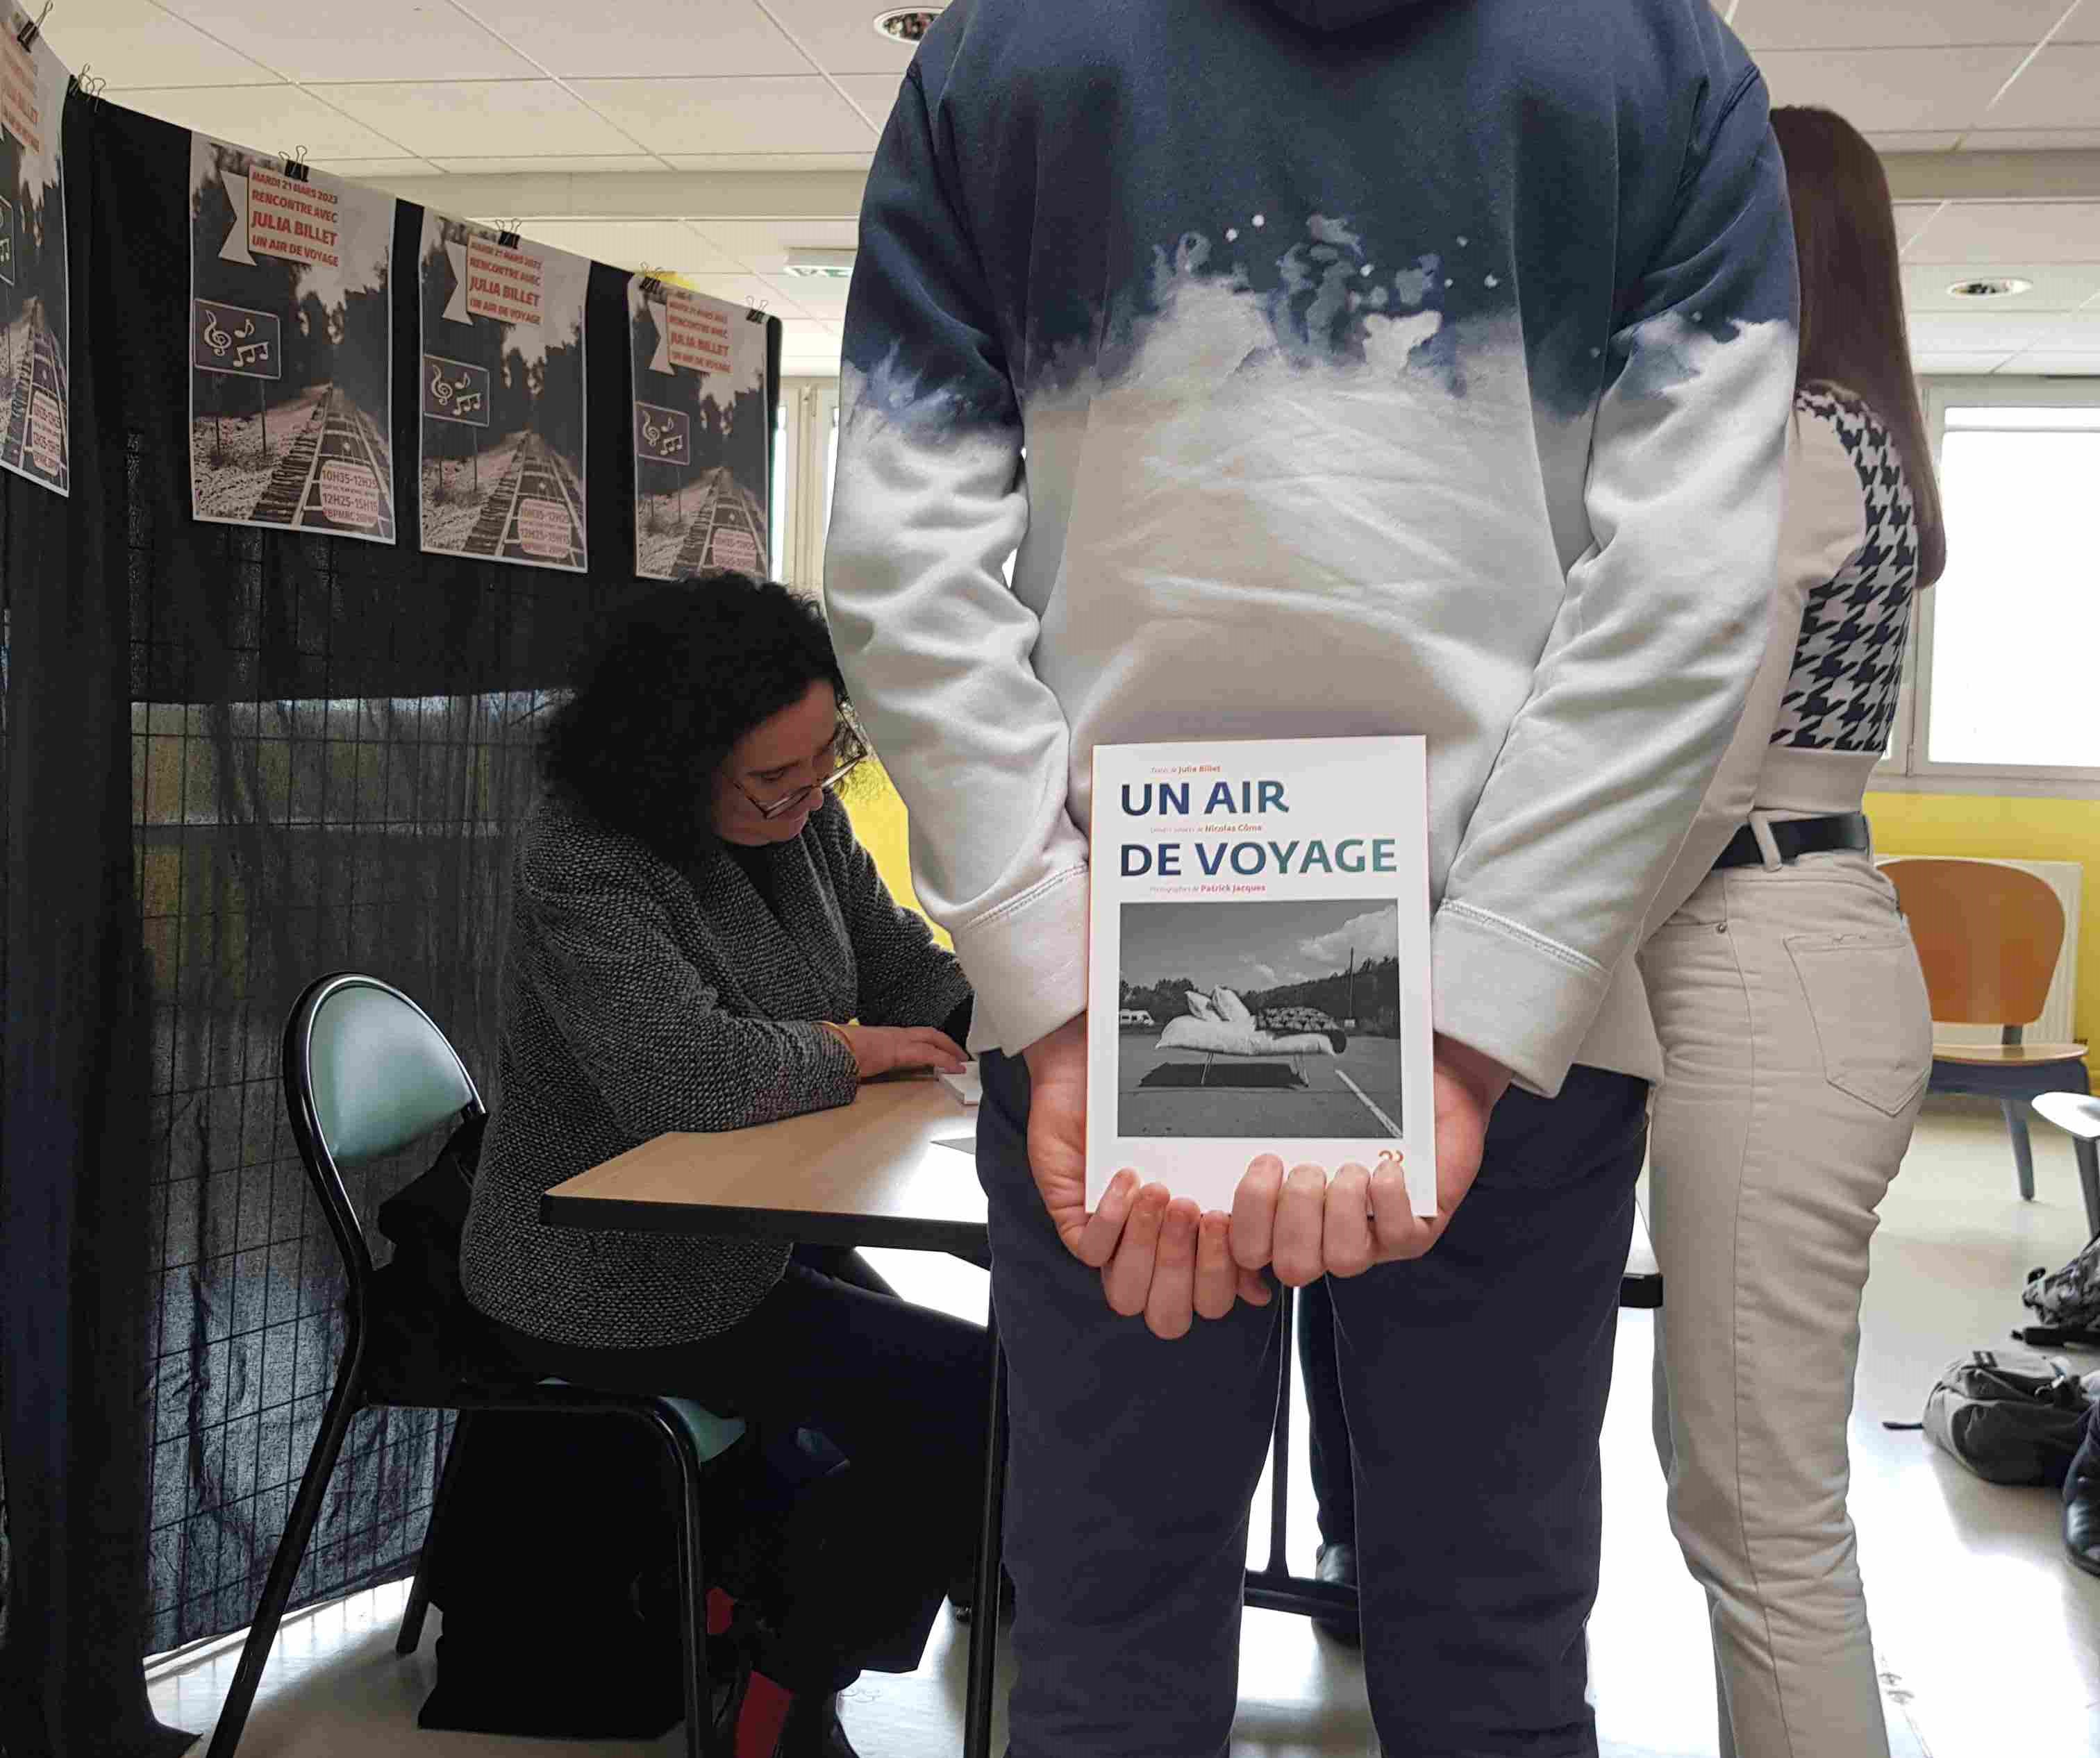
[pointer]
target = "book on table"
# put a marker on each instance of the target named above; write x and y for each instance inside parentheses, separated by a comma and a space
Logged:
(1259, 974)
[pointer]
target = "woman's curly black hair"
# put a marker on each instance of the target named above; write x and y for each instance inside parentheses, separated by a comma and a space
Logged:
(678, 676)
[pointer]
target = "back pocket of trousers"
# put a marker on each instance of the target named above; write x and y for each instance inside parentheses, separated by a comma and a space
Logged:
(1866, 995)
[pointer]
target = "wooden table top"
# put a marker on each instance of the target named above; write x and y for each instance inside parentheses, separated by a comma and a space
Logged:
(895, 1168)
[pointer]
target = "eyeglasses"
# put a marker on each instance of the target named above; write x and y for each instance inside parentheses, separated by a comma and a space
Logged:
(848, 752)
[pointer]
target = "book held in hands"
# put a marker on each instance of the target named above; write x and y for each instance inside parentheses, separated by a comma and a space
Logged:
(1259, 976)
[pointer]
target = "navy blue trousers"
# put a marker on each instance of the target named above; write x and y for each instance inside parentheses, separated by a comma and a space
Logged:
(1475, 1382)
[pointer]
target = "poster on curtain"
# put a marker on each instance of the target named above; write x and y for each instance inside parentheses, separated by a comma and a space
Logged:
(36, 440)
(502, 472)
(291, 333)
(702, 448)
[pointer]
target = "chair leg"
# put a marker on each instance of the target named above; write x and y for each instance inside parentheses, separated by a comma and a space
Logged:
(411, 1637)
(343, 1404)
(2088, 1181)
(700, 1734)
(2016, 1124)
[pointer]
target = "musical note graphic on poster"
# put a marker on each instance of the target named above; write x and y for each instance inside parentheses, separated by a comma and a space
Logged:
(292, 328)
(502, 472)
(36, 317)
(702, 447)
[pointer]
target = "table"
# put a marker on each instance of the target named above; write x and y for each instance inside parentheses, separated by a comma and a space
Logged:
(896, 1168)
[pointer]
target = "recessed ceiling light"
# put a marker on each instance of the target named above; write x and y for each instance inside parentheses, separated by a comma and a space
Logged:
(1997, 287)
(820, 265)
(906, 24)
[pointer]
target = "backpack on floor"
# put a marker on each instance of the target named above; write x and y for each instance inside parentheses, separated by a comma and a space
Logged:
(2067, 1299)
(2009, 1417)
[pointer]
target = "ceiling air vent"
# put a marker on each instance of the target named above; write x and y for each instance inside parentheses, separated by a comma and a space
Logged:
(2008, 287)
(906, 24)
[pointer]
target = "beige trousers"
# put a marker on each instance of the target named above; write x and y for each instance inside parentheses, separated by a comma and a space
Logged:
(1797, 1042)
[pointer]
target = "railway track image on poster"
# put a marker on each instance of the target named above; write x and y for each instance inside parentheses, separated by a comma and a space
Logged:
(291, 340)
(502, 470)
(36, 430)
(702, 447)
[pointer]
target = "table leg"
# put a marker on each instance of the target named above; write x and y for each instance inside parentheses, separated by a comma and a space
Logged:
(984, 1612)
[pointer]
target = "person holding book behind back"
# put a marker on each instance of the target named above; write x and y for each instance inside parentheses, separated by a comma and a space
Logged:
(1323, 367)
(1796, 1032)
(697, 941)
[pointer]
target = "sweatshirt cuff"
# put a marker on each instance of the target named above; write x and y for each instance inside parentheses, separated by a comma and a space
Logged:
(1027, 962)
(1512, 994)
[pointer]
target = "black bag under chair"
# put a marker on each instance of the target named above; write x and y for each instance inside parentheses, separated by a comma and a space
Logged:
(2009, 1416)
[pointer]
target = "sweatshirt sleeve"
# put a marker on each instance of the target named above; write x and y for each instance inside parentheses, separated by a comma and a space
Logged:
(1662, 627)
(1824, 525)
(929, 504)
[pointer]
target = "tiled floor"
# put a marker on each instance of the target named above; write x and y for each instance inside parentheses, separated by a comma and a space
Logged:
(1990, 1641)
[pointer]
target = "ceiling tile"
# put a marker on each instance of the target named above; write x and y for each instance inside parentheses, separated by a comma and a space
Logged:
(2030, 139)
(674, 115)
(840, 36)
(772, 161)
(356, 39)
(2010, 231)
(2061, 89)
(1876, 23)
(1911, 218)
(583, 163)
(2055, 365)
(2076, 334)
(670, 244)
(761, 246)
(1975, 332)
(2057, 287)
(1924, 141)
(133, 42)
(875, 93)
(748, 290)
(269, 118)
(1901, 90)
(655, 38)
(825, 299)
(379, 171)
(1956, 365)
(470, 117)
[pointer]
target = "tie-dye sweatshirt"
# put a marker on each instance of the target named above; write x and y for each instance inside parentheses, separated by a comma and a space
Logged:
(1333, 368)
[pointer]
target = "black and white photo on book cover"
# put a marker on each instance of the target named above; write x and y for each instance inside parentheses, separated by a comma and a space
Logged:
(36, 440)
(1259, 977)
(702, 445)
(291, 328)
(502, 471)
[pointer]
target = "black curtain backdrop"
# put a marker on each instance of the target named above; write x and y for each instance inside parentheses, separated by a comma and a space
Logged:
(230, 760)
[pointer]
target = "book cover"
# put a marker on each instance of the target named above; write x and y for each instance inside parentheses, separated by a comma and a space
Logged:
(1260, 975)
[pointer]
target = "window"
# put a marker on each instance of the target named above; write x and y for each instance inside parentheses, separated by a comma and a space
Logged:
(1996, 693)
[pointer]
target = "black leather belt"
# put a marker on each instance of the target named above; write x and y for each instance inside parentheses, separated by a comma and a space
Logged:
(1796, 837)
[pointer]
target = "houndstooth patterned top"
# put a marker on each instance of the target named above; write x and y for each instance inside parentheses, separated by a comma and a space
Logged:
(638, 998)
(1848, 660)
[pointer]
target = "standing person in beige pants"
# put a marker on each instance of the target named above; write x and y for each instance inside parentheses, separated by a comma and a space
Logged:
(1796, 1034)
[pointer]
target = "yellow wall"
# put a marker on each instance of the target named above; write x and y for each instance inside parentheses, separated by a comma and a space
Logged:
(878, 821)
(2009, 829)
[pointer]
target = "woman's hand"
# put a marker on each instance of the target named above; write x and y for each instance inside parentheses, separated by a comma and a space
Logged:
(889, 1049)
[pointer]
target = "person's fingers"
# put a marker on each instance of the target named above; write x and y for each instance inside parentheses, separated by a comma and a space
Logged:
(1169, 1306)
(1127, 1278)
(1253, 1213)
(1398, 1232)
(941, 1041)
(1345, 1238)
(1253, 1288)
(1297, 1258)
(1093, 1240)
(1217, 1276)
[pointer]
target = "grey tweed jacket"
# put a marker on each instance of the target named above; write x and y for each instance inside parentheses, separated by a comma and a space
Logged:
(638, 998)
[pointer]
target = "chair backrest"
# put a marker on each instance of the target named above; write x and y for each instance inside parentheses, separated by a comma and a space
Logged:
(1987, 936)
(366, 1072)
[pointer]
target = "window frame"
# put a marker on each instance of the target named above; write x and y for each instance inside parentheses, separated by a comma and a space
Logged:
(811, 406)
(1909, 767)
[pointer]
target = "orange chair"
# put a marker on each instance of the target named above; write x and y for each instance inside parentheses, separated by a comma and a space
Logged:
(1987, 936)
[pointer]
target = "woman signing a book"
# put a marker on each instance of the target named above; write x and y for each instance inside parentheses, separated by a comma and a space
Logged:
(697, 941)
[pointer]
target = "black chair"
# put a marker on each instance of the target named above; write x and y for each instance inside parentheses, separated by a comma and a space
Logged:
(366, 1073)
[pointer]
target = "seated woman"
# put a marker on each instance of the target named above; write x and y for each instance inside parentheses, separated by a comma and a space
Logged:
(698, 942)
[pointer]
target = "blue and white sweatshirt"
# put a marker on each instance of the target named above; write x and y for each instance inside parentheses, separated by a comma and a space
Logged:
(1365, 366)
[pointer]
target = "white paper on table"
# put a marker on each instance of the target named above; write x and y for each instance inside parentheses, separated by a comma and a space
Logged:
(966, 1085)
